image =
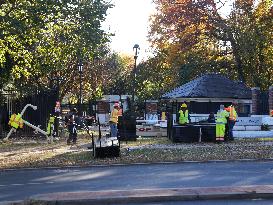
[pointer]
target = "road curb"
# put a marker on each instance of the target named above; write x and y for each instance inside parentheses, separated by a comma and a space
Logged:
(138, 163)
(12, 203)
(149, 195)
(152, 195)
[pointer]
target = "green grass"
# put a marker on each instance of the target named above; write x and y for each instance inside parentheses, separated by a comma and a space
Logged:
(147, 141)
(265, 139)
(10, 145)
(58, 154)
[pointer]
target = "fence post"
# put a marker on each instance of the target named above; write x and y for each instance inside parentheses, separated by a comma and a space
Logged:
(255, 100)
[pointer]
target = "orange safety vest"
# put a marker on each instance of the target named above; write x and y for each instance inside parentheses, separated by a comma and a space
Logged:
(271, 113)
(232, 113)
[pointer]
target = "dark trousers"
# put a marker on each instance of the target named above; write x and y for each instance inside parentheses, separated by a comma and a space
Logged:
(72, 134)
(56, 127)
(231, 124)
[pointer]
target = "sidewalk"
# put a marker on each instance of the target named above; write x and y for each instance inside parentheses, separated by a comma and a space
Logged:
(151, 195)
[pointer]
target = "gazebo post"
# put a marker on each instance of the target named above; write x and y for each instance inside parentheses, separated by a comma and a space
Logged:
(176, 110)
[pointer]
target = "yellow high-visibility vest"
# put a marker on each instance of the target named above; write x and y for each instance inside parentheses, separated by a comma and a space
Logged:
(114, 116)
(50, 125)
(163, 116)
(221, 117)
(183, 117)
(16, 121)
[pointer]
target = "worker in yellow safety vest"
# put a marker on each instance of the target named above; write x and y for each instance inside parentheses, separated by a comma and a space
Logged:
(16, 121)
(183, 114)
(50, 125)
(163, 116)
(113, 121)
(221, 121)
(231, 120)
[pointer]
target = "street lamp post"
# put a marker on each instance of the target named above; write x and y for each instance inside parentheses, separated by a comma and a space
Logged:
(80, 69)
(135, 48)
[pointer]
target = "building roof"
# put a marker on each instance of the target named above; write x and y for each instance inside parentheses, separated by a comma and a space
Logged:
(211, 86)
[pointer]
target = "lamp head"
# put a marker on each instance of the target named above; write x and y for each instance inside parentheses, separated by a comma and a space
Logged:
(136, 46)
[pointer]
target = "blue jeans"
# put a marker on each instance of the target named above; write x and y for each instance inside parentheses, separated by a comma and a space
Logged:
(114, 129)
(231, 124)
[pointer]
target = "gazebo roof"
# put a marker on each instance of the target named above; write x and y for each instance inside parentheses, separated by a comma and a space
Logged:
(211, 86)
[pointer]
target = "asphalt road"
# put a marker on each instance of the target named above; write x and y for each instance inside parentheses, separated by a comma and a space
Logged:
(19, 184)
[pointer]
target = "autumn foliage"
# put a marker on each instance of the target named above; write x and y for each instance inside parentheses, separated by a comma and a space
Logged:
(235, 43)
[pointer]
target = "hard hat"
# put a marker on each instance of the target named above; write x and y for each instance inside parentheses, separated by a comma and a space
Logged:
(184, 105)
(116, 104)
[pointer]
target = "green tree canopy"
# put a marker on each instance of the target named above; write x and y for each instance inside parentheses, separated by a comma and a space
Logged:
(40, 39)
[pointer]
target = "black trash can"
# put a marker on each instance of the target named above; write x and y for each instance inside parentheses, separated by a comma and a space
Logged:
(127, 127)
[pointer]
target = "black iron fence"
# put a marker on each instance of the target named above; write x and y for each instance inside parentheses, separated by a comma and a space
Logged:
(44, 100)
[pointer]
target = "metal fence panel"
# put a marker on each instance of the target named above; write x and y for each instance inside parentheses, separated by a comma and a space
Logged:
(45, 102)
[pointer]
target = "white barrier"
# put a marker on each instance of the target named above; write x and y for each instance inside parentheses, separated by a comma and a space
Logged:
(268, 121)
(249, 121)
(245, 127)
(253, 134)
(151, 128)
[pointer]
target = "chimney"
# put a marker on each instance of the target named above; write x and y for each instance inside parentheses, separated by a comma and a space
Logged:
(256, 92)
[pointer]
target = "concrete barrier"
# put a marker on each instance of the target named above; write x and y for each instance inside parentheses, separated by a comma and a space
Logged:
(253, 134)
(247, 128)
